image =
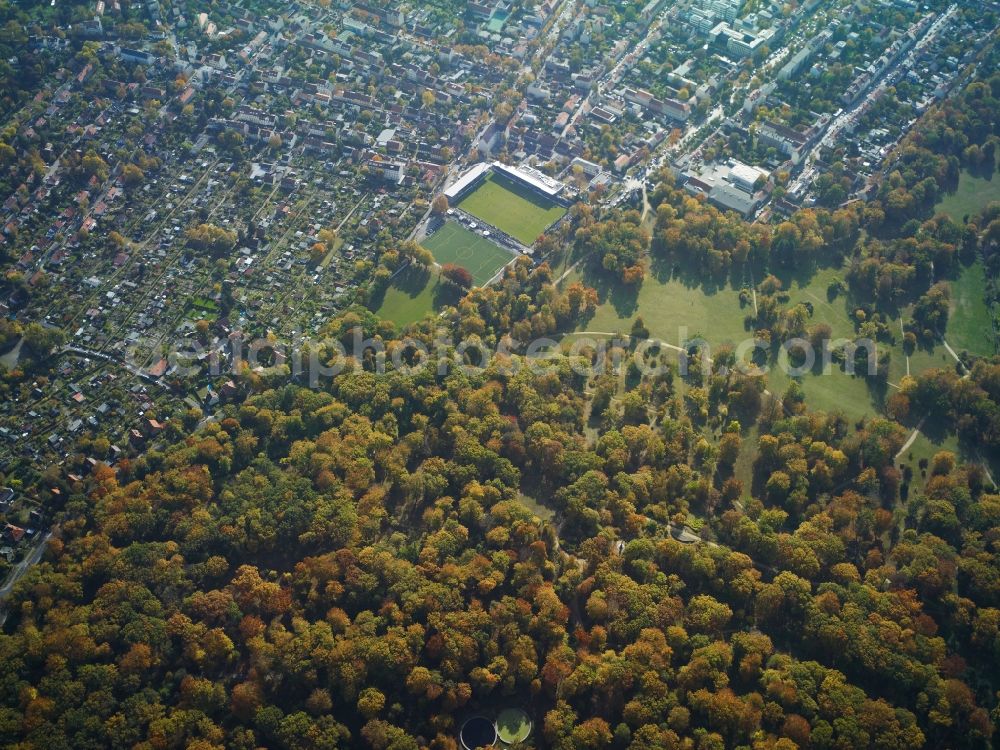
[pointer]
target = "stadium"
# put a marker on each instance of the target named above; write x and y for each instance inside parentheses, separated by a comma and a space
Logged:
(496, 212)
(466, 244)
(544, 186)
(519, 202)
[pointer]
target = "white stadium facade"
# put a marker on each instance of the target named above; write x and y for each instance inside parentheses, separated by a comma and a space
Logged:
(534, 180)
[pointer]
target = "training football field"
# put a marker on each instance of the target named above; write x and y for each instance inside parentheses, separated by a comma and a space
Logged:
(453, 243)
(512, 208)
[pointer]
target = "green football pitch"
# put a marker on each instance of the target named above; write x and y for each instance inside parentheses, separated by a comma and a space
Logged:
(512, 208)
(453, 243)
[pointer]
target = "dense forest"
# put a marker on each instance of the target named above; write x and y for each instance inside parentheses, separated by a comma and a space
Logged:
(365, 564)
(355, 566)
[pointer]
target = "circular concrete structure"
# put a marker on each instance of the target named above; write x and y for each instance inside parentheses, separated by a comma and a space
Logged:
(513, 725)
(477, 731)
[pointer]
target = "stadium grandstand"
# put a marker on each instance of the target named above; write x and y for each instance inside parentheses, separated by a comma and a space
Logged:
(467, 182)
(528, 177)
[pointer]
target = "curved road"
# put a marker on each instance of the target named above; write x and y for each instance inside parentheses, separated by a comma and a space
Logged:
(20, 569)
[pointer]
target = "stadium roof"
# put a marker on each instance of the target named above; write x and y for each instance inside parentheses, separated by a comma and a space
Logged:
(465, 180)
(532, 177)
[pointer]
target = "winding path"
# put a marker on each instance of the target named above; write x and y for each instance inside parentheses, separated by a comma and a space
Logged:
(909, 441)
(951, 351)
(658, 342)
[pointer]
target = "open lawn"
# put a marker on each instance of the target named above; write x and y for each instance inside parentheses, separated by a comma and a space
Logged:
(743, 470)
(453, 243)
(835, 391)
(412, 295)
(835, 312)
(971, 196)
(969, 328)
(969, 325)
(924, 447)
(923, 358)
(512, 208)
(672, 310)
(675, 309)
(535, 507)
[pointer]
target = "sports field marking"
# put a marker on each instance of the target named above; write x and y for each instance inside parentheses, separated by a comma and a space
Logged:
(512, 208)
(453, 243)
